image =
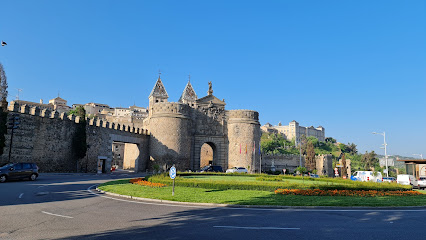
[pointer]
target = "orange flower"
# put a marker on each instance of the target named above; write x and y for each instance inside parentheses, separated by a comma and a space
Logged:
(142, 182)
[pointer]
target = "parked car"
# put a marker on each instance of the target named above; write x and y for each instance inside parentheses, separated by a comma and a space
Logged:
(406, 179)
(18, 171)
(421, 183)
(237, 170)
(211, 168)
(367, 176)
(389, 179)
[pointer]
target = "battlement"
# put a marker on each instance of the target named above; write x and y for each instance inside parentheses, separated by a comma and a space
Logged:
(243, 116)
(170, 109)
(46, 113)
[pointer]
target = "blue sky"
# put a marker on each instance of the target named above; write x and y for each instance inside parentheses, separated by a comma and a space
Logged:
(353, 67)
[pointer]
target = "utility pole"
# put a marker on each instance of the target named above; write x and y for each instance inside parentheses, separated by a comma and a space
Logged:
(386, 156)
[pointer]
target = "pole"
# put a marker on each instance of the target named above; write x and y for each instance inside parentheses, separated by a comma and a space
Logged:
(386, 156)
(260, 162)
(173, 191)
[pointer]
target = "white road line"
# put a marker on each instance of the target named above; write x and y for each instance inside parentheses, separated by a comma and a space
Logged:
(20, 195)
(290, 209)
(147, 203)
(56, 215)
(257, 228)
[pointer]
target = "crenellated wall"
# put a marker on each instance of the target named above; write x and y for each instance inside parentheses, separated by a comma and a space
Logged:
(45, 137)
(324, 163)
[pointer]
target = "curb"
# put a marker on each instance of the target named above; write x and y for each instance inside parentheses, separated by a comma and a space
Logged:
(257, 206)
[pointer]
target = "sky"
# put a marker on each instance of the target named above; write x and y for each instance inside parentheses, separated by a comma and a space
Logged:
(353, 67)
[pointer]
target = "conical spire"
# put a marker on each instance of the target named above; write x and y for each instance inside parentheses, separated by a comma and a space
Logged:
(188, 93)
(159, 90)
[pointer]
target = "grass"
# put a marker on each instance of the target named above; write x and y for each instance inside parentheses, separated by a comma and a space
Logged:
(254, 197)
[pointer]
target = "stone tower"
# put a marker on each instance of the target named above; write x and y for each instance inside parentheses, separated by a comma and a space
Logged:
(179, 130)
(244, 139)
(188, 95)
(158, 93)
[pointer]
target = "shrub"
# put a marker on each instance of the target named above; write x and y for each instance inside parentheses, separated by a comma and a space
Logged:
(356, 193)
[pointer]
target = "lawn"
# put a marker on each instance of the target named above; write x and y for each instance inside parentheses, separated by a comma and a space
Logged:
(251, 197)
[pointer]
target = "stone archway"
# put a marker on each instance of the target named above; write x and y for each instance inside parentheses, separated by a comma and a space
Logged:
(208, 154)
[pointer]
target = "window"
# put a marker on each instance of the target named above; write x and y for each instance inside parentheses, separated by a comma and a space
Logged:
(26, 165)
(18, 166)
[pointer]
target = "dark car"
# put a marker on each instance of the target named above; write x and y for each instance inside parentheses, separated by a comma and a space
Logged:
(211, 169)
(18, 171)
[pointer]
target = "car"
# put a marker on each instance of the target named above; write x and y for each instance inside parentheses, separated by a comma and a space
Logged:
(367, 176)
(18, 171)
(210, 168)
(389, 179)
(406, 179)
(237, 170)
(421, 183)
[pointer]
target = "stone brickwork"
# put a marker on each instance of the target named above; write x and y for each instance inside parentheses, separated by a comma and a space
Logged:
(281, 161)
(324, 164)
(180, 129)
(45, 137)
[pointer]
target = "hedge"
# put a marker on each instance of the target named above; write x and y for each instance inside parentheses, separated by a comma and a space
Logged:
(273, 185)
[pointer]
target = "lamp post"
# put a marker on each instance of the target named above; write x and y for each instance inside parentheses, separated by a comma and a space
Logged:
(386, 156)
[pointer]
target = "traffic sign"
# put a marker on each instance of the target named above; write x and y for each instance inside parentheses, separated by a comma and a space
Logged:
(172, 172)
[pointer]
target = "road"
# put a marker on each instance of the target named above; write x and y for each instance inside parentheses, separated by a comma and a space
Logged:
(58, 206)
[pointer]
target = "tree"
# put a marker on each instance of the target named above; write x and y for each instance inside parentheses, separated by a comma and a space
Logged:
(330, 140)
(344, 167)
(310, 156)
(351, 148)
(369, 160)
(3, 84)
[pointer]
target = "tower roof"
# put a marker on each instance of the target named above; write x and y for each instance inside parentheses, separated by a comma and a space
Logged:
(188, 93)
(159, 90)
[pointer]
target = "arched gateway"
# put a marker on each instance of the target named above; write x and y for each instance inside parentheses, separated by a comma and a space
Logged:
(180, 129)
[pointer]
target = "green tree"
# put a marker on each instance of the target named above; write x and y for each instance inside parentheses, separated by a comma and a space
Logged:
(330, 140)
(369, 160)
(310, 156)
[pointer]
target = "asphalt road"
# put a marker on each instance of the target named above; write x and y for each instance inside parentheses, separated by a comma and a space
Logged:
(58, 206)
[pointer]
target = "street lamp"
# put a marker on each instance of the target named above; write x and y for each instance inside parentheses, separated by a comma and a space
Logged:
(421, 155)
(386, 156)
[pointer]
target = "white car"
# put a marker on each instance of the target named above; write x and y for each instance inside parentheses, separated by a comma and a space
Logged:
(237, 170)
(421, 182)
(406, 179)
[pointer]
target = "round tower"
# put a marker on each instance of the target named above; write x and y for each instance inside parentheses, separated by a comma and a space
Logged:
(244, 139)
(169, 125)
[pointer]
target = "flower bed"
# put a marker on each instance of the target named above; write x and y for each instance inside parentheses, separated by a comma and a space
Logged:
(142, 182)
(357, 193)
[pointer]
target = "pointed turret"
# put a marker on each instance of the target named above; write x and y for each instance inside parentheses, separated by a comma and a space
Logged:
(158, 93)
(188, 95)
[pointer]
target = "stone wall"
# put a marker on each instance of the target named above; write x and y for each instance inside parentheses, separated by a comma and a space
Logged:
(45, 138)
(281, 161)
(324, 163)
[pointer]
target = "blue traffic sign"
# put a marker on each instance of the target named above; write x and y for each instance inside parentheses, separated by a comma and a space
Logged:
(172, 172)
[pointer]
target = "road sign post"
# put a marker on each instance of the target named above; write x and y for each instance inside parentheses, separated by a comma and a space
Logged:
(172, 174)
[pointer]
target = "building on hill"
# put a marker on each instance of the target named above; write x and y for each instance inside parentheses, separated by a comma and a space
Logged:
(294, 131)
(57, 104)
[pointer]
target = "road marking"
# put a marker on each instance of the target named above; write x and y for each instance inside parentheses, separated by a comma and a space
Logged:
(56, 215)
(257, 228)
(20, 195)
(289, 209)
(140, 202)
